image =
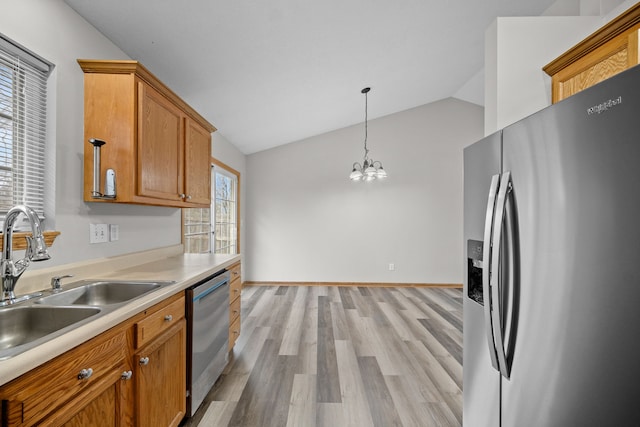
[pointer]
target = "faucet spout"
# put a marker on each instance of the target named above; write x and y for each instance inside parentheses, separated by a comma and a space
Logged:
(11, 271)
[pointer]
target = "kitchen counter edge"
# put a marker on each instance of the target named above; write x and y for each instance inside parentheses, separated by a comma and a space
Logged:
(185, 269)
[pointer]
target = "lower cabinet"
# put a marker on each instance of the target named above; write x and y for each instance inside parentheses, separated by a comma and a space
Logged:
(72, 386)
(157, 369)
(132, 374)
(105, 409)
(235, 290)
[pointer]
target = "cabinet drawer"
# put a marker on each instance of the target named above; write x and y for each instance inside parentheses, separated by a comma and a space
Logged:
(235, 288)
(234, 332)
(158, 321)
(234, 270)
(31, 397)
(234, 310)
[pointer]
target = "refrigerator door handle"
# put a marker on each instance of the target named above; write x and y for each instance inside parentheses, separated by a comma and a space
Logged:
(486, 271)
(495, 280)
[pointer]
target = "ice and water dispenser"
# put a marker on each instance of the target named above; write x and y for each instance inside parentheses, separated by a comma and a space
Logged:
(474, 271)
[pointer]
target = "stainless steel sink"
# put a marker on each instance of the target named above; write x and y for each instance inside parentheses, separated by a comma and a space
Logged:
(29, 325)
(101, 293)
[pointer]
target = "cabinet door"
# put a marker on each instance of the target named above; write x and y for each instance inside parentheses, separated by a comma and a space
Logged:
(161, 379)
(106, 406)
(101, 411)
(197, 164)
(160, 146)
(56, 390)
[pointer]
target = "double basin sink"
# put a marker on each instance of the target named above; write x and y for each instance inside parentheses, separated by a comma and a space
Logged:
(28, 324)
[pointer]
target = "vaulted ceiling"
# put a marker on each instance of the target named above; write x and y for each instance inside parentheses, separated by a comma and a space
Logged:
(267, 73)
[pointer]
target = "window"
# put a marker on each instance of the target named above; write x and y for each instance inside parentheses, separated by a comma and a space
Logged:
(196, 225)
(23, 102)
(224, 213)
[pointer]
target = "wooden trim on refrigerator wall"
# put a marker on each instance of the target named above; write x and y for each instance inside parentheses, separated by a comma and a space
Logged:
(617, 26)
(608, 51)
(216, 162)
(356, 284)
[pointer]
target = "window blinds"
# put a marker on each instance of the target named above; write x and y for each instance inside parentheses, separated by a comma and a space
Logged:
(23, 121)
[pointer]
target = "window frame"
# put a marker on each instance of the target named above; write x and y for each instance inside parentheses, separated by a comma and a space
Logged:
(211, 233)
(234, 174)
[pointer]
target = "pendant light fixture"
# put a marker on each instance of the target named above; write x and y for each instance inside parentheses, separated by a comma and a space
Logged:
(370, 169)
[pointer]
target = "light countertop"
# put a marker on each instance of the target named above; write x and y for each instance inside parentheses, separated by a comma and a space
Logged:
(185, 269)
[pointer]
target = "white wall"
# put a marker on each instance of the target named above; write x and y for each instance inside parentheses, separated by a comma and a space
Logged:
(306, 221)
(54, 31)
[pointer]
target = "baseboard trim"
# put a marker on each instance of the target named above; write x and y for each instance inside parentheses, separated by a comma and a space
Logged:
(356, 284)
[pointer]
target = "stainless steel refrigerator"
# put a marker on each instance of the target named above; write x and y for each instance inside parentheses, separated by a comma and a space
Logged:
(552, 280)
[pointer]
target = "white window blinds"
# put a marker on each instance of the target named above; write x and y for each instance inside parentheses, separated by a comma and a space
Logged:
(23, 120)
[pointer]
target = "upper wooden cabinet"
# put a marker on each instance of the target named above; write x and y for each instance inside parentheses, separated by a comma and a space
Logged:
(605, 53)
(158, 146)
(197, 160)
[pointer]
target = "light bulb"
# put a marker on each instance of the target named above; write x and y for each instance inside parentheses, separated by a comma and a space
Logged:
(356, 175)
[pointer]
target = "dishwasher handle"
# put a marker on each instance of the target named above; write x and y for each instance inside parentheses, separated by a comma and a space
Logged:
(207, 289)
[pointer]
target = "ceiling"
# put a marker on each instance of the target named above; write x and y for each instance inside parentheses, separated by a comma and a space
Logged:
(267, 73)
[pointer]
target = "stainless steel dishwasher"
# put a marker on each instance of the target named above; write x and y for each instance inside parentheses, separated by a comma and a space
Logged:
(208, 336)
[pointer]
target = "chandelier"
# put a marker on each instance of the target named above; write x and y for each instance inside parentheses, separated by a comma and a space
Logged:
(370, 169)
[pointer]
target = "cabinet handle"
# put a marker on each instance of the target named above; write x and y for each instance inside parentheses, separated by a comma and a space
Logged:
(85, 373)
(168, 318)
(182, 195)
(188, 197)
(144, 361)
(126, 375)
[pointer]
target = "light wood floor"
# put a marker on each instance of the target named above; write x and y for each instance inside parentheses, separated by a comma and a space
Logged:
(342, 356)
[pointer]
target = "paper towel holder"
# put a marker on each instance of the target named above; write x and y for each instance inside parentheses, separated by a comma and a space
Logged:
(110, 178)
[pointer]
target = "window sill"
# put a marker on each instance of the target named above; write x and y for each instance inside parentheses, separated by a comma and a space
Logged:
(20, 243)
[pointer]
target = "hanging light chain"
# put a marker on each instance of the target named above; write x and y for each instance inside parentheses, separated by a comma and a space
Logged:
(366, 122)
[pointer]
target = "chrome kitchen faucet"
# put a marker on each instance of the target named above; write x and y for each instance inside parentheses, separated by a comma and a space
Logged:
(36, 251)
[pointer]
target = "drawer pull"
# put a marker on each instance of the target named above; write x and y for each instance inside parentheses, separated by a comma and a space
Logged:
(85, 373)
(168, 318)
(126, 375)
(144, 361)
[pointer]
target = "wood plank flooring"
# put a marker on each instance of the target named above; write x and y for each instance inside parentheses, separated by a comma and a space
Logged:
(342, 356)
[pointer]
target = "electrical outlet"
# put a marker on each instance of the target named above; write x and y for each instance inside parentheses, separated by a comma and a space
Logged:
(392, 267)
(114, 232)
(98, 233)
(93, 233)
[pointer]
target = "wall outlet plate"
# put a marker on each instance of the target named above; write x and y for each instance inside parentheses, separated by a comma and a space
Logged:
(98, 233)
(114, 232)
